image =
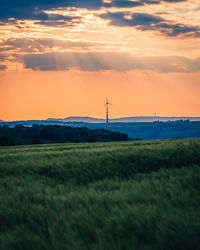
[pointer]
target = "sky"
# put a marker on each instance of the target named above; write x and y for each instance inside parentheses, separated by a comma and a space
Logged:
(61, 58)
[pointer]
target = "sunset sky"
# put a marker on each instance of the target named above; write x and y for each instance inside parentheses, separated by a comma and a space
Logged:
(61, 58)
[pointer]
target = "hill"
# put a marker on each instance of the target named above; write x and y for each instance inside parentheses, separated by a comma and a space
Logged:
(152, 130)
(124, 119)
(119, 195)
(86, 119)
(134, 130)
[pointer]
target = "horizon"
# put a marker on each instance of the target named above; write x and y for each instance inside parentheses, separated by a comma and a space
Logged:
(96, 118)
(62, 58)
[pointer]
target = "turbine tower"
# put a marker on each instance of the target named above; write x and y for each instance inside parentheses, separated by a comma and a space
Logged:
(107, 104)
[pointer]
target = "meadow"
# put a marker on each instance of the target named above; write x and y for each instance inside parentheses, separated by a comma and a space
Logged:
(99, 196)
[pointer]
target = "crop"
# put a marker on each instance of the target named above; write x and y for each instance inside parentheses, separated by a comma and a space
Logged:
(121, 195)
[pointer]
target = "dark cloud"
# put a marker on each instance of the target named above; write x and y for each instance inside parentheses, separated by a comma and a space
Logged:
(47, 20)
(172, 30)
(160, 1)
(174, 1)
(138, 19)
(2, 57)
(129, 4)
(121, 3)
(21, 45)
(143, 21)
(3, 67)
(33, 9)
(97, 61)
(125, 4)
(29, 45)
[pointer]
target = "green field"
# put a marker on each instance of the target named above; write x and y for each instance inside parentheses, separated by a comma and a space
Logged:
(101, 196)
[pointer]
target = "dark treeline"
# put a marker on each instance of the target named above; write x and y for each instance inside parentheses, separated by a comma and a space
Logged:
(39, 134)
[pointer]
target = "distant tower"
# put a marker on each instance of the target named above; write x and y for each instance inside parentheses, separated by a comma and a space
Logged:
(107, 104)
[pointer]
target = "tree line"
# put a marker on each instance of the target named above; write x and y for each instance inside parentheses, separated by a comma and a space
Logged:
(45, 134)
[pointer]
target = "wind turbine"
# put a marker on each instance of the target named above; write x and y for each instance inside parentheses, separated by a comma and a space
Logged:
(107, 104)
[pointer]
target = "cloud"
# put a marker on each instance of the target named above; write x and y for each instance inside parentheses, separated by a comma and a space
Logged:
(144, 21)
(128, 4)
(29, 45)
(55, 23)
(125, 4)
(160, 1)
(58, 20)
(98, 61)
(2, 57)
(33, 9)
(137, 19)
(2, 67)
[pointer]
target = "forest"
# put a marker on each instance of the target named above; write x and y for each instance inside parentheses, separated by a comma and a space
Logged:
(40, 134)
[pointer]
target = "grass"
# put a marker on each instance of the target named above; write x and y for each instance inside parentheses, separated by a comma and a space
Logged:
(132, 195)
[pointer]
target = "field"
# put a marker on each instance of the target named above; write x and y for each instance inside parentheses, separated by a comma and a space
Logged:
(99, 196)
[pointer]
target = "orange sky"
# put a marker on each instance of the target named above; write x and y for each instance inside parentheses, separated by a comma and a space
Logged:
(145, 59)
(42, 95)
